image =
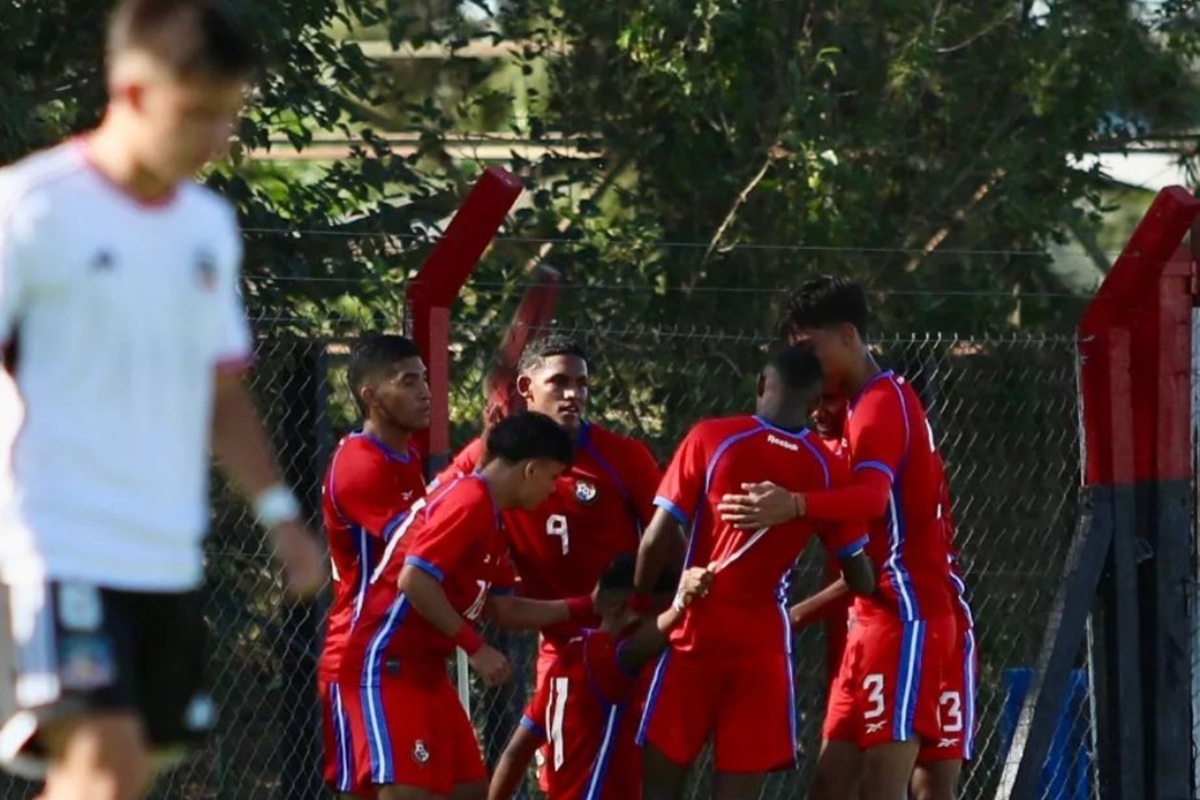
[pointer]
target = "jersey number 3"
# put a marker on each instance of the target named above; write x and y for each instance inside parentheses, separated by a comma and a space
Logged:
(556, 525)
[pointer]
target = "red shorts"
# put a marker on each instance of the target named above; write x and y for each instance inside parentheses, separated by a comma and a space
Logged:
(545, 657)
(347, 760)
(418, 734)
(890, 681)
(956, 704)
(746, 703)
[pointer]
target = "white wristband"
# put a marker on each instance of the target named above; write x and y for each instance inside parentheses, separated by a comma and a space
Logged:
(276, 505)
(677, 603)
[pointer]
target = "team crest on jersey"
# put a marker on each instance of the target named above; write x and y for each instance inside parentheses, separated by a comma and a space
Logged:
(206, 269)
(585, 492)
(420, 754)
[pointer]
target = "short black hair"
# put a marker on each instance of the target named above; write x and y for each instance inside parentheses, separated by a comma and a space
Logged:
(528, 435)
(374, 354)
(618, 576)
(554, 344)
(797, 366)
(823, 302)
(193, 38)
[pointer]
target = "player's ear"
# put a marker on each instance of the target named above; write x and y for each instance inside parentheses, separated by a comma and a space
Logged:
(762, 384)
(366, 394)
(523, 383)
(849, 333)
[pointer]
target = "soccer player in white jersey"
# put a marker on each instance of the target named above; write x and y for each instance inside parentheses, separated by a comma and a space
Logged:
(119, 291)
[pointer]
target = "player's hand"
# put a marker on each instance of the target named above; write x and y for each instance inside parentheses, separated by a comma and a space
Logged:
(696, 582)
(493, 414)
(302, 558)
(762, 506)
(491, 665)
(798, 616)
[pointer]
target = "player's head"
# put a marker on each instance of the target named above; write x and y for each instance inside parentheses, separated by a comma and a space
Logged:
(830, 417)
(388, 379)
(614, 591)
(552, 377)
(177, 73)
(829, 312)
(790, 385)
(523, 455)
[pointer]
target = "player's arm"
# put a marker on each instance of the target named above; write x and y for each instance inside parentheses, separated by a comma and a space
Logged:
(525, 740)
(363, 500)
(679, 493)
(858, 577)
(511, 612)
(650, 638)
(644, 477)
(240, 444)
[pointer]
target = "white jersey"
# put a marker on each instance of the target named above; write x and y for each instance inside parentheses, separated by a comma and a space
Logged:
(123, 312)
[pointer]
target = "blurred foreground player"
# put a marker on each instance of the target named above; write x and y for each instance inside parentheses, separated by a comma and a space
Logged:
(373, 479)
(728, 673)
(445, 567)
(600, 505)
(886, 699)
(588, 706)
(119, 287)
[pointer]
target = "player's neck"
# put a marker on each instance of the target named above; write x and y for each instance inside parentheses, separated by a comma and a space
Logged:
(395, 438)
(109, 153)
(861, 376)
(499, 478)
(786, 422)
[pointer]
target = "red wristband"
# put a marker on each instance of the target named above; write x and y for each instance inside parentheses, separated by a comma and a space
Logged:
(580, 608)
(468, 639)
(641, 603)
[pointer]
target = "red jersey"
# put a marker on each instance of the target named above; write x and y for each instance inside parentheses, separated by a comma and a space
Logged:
(453, 535)
(587, 709)
(886, 430)
(598, 510)
(962, 608)
(367, 493)
(745, 609)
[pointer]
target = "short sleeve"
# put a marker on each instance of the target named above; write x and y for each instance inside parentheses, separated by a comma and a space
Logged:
(234, 347)
(682, 486)
(879, 431)
(643, 476)
(534, 718)
(842, 539)
(362, 499)
(451, 529)
(504, 577)
(601, 655)
(17, 237)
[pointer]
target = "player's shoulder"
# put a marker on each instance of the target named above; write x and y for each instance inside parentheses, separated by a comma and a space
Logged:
(717, 431)
(609, 441)
(464, 493)
(205, 205)
(46, 173)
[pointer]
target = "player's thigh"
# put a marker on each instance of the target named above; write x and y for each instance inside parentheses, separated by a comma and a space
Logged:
(172, 654)
(347, 762)
(935, 780)
(755, 726)
(72, 648)
(737, 786)
(956, 721)
(546, 656)
(469, 791)
(887, 769)
(839, 767)
(681, 705)
(102, 756)
(843, 722)
(404, 793)
(662, 778)
(900, 664)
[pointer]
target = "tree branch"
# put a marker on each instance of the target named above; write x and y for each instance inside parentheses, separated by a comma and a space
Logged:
(956, 219)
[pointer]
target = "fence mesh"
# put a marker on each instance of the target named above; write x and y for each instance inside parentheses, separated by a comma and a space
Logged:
(1003, 409)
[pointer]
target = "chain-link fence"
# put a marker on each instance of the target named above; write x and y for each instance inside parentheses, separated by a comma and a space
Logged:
(1005, 414)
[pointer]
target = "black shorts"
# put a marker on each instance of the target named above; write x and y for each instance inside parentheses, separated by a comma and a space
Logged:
(78, 649)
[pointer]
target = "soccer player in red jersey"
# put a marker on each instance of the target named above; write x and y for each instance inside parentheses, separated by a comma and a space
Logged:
(600, 505)
(373, 479)
(885, 701)
(449, 561)
(588, 706)
(728, 673)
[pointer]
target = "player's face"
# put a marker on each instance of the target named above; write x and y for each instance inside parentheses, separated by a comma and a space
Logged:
(830, 416)
(538, 481)
(185, 122)
(557, 388)
(402, 399)
(834, 346)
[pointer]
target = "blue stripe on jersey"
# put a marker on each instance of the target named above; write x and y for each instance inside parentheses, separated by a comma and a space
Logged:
(600, 765)
(614, 476)
(425, 566)
(792, 708)
(341, 733)
(531, 726)
(812, 448)
(393, 523)
(894, 565)
(969, 701)
(672, 509)
(879, 465)
(856, 546)
(383, 770)
(364, 571)
(908, 680)
(652, 696)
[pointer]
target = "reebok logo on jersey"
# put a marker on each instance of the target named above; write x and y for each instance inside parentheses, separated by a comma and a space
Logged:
(875, 727)
(786, 445)
(948, 743)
